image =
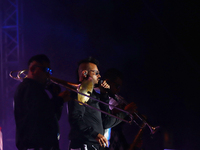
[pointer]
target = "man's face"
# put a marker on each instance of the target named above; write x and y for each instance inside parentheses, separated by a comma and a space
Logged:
(93, 72)
(39, 73)
(115, 85)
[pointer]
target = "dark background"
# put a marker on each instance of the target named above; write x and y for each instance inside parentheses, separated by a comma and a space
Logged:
(154, 43)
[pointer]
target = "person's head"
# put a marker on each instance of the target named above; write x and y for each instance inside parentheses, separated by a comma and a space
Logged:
(114, 78)
(39, 68)
(88, 68)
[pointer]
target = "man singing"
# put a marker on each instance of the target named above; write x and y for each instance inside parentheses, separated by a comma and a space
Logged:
(87, 124)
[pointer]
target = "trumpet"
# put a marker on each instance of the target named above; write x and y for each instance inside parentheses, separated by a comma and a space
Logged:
(83, 92)
(85, 89)
(18, 75)
(144, 121)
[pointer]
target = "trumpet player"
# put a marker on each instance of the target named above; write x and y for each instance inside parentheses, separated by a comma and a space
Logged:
(36, 114)
(114, 78)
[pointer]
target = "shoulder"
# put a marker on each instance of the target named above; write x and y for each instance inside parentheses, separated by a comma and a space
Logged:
(29, 85)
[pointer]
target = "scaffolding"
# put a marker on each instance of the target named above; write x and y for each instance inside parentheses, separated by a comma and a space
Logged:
(11, 52)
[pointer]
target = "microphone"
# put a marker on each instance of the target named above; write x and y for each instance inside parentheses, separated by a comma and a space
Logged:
(100, 82)
(108, 90)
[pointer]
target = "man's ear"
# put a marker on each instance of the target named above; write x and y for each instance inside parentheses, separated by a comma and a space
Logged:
(85, 73)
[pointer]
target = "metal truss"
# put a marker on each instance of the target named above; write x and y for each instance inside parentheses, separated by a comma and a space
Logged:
(11, 52)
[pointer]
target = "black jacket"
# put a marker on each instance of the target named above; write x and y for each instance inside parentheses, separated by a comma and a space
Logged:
(36, 115)
(86, 122)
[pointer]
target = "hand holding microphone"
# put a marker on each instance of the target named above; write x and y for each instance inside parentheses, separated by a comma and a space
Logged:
(104, 86)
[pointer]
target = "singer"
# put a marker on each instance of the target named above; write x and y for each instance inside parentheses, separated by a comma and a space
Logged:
(87, 124)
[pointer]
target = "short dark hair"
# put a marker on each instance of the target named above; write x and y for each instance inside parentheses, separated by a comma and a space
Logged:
(40, 58)
(112, 74)
(89, 60)
(86, 60)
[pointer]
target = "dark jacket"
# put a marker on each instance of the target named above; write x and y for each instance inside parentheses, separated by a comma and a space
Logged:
(36, 115)
(86, 122)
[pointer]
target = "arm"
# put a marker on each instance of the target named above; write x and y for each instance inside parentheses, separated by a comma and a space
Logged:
(109, 121)
(33, 110)
(58, 106)
(58, 98)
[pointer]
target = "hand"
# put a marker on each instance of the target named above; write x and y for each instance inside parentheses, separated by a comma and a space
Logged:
(102, 140)
(65, 95)
(53, 88)
(104, 87)
(131, 107)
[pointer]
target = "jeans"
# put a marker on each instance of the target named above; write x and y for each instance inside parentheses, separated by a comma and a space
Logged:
(51, 148)
(81, 146)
